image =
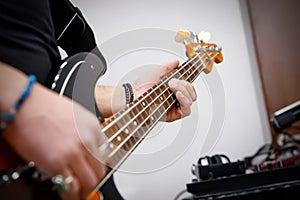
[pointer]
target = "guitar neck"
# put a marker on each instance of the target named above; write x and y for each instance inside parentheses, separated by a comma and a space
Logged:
(129, 127)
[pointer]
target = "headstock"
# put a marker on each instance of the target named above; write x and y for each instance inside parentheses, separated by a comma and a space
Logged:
(196, 45)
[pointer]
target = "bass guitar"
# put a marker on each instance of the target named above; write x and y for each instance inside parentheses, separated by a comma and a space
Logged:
(126, 129)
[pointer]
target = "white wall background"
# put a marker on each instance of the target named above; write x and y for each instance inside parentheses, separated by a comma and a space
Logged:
(243, 128)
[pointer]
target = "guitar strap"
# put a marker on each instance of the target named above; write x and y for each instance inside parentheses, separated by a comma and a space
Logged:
(74, 35)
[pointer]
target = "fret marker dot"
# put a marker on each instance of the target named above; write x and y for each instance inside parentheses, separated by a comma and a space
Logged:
(135, 123)
(126, 131)
(152, 118)
(143, 103)
(161, 98)
(111, 145)
(119, 138)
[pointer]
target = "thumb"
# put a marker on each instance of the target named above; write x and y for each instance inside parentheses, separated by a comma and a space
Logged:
(168, 67)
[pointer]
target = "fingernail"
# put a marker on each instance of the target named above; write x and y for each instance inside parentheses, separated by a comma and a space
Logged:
(173, 83)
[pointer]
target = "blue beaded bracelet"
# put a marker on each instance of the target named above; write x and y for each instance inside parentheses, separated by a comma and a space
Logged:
(8, 118)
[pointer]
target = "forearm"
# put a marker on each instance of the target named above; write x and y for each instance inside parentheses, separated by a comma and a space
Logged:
(109, 99)
(12, 83)
(51, 129)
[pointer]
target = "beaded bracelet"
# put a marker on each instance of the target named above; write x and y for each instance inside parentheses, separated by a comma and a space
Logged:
(128, 93)
(9, 117)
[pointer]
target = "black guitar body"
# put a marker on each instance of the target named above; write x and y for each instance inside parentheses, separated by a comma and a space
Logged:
(77, 79)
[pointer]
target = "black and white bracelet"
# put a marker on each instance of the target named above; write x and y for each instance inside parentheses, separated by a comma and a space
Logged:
(128, 92)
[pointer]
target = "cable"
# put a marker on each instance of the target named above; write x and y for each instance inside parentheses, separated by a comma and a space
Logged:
(180, 194)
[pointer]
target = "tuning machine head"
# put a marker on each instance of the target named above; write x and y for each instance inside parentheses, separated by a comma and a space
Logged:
(204, 36)
(182, 36)
(197, 45)
(185, 36)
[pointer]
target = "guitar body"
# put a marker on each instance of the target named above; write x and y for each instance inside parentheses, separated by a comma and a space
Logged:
(76, 79)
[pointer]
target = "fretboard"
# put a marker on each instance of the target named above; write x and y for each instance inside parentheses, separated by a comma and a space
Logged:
(127, 128)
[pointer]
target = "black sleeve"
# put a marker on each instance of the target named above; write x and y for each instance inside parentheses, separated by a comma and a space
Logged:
(72, 32)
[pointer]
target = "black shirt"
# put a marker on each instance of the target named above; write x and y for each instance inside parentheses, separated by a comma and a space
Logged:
(27, 39)
(27, 42)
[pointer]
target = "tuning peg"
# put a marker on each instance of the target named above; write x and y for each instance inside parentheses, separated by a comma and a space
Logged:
(218, 49)
(211, 48)
(204, 36)
(182, 35)
(194, 37)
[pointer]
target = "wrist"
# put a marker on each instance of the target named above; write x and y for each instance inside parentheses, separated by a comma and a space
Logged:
(8, 117)
(12, 82)
(109, 99)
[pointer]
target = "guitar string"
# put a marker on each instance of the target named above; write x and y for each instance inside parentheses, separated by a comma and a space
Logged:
(124, 158)
(162, 103)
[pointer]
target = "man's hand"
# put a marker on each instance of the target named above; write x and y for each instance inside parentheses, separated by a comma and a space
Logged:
(184, 91)
(58, 135)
